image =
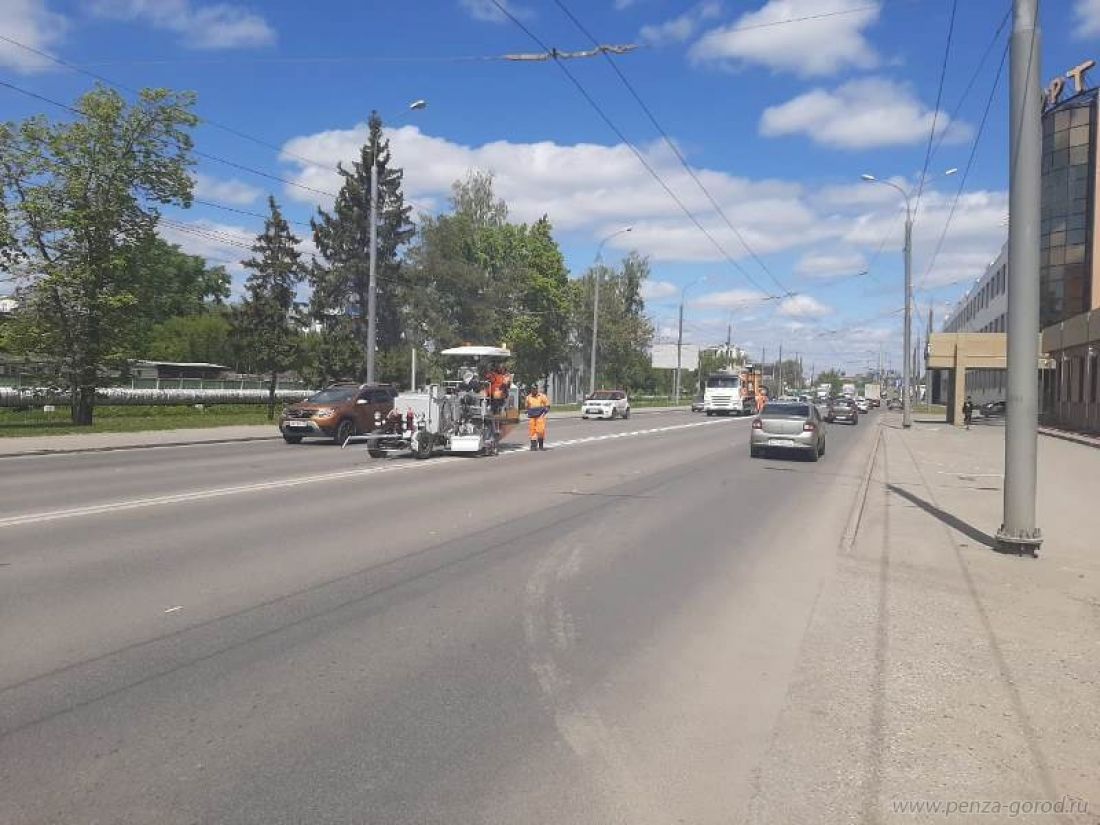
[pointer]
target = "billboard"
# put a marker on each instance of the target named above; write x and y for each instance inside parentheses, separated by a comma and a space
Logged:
(663, 356)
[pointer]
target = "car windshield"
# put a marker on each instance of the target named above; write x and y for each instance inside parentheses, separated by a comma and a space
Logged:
(786, 411)
(333, 395)
(725, 382)
(604, 395)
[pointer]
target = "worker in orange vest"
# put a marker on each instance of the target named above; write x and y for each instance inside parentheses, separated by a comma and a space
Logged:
(538, 406)
(761, 400)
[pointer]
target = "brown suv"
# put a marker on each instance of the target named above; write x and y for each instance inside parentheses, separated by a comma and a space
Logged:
(337, 412)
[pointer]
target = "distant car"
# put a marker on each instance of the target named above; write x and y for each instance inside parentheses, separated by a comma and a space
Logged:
(788, 427)
(843, 409)
(337, 412)
(863, 405)
(894, 404)
(992, 409)
(823, 405)
(606, 404)
(697, 404)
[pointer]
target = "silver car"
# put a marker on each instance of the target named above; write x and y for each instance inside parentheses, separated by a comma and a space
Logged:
(786, 427)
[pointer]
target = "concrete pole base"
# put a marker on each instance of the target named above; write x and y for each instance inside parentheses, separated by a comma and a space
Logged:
(1019, 544)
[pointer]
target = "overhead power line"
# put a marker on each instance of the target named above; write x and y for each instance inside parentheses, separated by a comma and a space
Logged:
(966, 169)
(208, 121)
(936, 108)
(675, 149)
(634, 149)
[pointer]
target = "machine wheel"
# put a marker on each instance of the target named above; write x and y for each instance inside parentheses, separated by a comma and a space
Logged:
(709, 413)
(374, 452)
(423, 446)
(814, 455)
(292, 439)
(344, 431)
(626, 414)
(821, 451)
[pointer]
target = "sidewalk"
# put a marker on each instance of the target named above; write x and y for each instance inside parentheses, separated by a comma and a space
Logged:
(100, 442)
(938, 675)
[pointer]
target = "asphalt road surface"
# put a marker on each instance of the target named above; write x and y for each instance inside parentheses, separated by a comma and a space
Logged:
(263, 633)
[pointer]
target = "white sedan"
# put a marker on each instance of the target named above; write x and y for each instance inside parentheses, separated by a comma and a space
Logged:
(606, 404)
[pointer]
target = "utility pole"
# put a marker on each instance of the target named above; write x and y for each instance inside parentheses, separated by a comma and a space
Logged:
(679, 347)
(779, 386)
(372, 288)
(597, 266)
(1019, 532)
(906, 380)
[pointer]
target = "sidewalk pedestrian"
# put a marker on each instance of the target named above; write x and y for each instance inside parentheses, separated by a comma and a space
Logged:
(968, 411)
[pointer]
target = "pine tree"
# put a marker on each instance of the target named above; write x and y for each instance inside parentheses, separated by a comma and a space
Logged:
(341, 281)
(266, 321)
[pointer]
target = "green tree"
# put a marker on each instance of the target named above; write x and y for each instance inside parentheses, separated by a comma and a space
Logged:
(81, 201)
(791, 371)
(205, 337)
(341, 280)
(474, 276)
(625, 333)
(834, 378)
(266, 320)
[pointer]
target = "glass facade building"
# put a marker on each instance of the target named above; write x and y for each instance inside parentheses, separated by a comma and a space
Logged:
(1066, 259)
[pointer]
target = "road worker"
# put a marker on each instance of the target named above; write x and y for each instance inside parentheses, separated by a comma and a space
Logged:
(538, 405)
(761, 400)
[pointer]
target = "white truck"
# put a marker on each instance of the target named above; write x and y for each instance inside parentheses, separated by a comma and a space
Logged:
(848, 390)
(873, 393)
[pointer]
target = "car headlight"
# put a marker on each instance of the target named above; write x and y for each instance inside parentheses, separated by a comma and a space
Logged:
(324, 412)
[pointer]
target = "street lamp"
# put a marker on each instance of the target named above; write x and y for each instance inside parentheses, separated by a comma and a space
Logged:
(680, 334)
(596, 302)
(907, 407)
(372, 288)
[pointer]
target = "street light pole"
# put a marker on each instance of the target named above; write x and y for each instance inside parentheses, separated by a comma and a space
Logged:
(372, 285)
(596, 304)
(1019, 532)
(680, 338)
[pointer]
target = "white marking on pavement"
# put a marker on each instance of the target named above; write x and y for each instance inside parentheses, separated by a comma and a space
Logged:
(300, 481)
(174, 609)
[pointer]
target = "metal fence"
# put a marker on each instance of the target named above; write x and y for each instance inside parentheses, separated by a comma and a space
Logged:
(24, 397)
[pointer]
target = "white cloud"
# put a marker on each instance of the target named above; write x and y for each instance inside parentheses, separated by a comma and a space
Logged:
(582, 187)
(32, 23)
(218, 243)
(730, 299)
(830, 264)
(1087, 14)
(622, 5)
(659, 290)
(803, 306)
(232, 192)
(861, 114)
(680, 29)
(829, 41)
(488, 12)
(216, 26)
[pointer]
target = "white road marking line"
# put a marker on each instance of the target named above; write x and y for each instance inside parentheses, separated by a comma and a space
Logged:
(178, 607)
(299, 481)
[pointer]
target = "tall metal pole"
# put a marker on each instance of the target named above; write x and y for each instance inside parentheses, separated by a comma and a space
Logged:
(906, 379)
(596, 266)
(779, 385)
(679, 346)
(1019, 532)
(412, 376)
(372, 289)
(595, 324)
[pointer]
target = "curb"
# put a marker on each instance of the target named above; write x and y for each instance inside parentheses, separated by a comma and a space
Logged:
(1062, 435)
(237, 440)
(121, 447)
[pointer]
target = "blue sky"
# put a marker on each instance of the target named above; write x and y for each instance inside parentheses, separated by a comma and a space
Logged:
(777, 119)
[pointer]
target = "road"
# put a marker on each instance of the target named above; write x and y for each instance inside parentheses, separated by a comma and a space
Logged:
(260, 633)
